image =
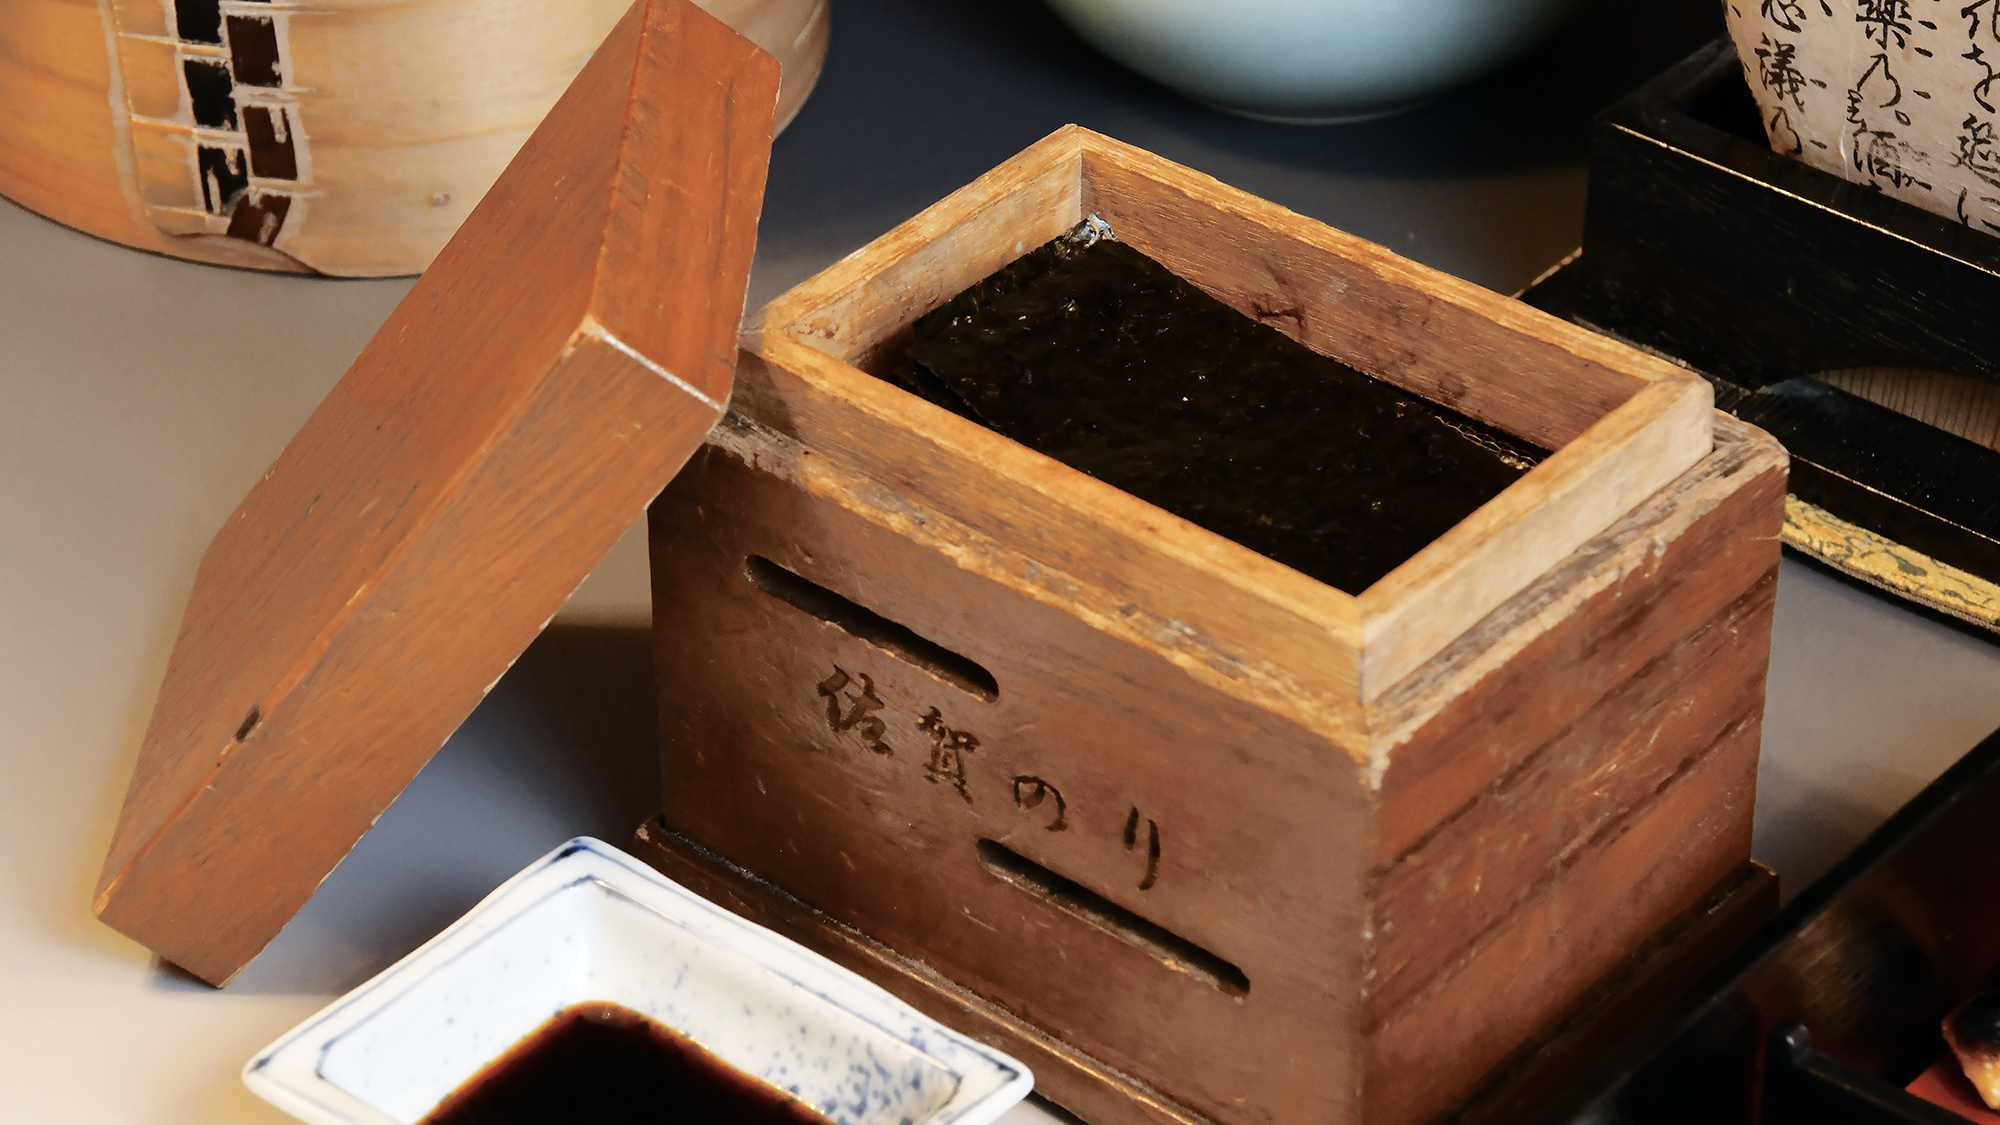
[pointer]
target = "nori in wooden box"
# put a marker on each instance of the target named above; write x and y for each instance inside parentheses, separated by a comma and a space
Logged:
(1195, 835)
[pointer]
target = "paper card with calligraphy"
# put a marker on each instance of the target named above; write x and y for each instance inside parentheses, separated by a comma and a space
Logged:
(1899, 94)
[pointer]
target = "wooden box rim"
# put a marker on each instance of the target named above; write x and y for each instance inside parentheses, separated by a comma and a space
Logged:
(1621, 423)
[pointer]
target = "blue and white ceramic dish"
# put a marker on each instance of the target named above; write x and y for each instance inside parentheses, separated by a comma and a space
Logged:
(589, 923)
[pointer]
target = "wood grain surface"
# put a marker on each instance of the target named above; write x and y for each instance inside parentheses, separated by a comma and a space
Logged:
(61, 140)
(537, 387)
(1103, 1095)
(1956, 404)
(1685, 950)
(394, 119)
(1257, 823)
(1593, 743)
(1088, 1087)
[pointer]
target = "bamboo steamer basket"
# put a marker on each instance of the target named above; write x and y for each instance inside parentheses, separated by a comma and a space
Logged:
(342, 137)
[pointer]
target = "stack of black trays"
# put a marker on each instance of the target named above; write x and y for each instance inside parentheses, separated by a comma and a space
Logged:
(1758, 271)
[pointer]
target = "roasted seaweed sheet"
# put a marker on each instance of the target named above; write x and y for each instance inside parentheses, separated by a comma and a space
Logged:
(1098, 356)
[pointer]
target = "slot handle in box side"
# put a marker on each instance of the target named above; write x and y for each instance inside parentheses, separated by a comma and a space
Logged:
(1175, 951)
(897, 639)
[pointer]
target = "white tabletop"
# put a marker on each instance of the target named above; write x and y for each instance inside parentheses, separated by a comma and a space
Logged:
(140, 397)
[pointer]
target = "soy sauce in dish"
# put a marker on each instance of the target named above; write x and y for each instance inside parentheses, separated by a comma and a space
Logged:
(602, 1064)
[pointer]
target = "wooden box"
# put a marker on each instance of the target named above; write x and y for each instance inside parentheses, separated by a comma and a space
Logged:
(1200, 838)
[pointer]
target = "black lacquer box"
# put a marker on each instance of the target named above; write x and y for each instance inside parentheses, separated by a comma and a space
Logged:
(1768, 276)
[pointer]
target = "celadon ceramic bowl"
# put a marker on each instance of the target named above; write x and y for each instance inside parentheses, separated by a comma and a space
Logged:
(1312, 61)
(588, 923)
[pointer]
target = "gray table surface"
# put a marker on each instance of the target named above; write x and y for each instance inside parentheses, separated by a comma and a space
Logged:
(140, 397)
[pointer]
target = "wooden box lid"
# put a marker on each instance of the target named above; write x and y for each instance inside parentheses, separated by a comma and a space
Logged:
(561, 359)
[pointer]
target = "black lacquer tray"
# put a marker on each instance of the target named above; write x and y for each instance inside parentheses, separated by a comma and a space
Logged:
(1702, 244)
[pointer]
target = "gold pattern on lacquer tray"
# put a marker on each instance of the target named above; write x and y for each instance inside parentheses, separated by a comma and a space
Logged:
(1889, 565)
